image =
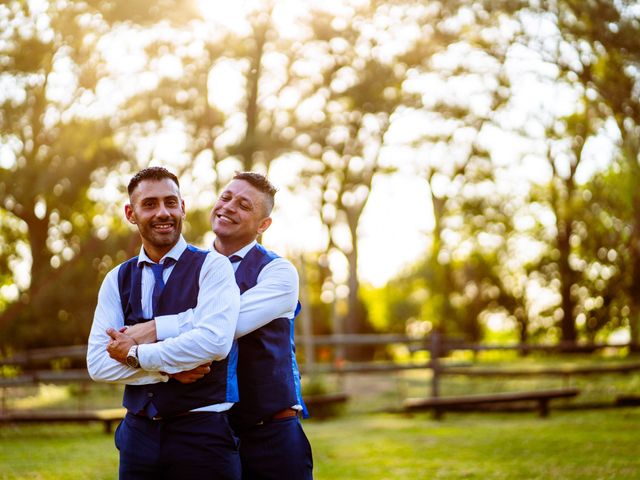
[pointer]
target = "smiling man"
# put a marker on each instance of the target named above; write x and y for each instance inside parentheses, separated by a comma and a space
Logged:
(273, 444)
(175, 427)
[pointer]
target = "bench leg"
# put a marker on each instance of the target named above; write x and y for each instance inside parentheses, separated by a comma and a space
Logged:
(543, 407)
(438, 413)
(107, 426)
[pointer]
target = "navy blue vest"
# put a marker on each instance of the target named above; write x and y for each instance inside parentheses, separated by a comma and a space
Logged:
(180, 293)
(268, 375)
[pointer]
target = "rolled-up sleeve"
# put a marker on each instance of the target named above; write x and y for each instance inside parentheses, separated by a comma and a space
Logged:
(213, 322)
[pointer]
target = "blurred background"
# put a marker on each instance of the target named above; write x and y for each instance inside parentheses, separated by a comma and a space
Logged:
(468, 167)
(458, 188)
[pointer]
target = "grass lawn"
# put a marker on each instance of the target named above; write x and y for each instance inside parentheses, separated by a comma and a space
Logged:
(585, 444)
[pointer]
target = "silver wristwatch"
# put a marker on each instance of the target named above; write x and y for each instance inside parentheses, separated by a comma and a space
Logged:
(132, 357)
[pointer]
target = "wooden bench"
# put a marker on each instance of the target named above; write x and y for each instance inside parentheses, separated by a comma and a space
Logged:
(551, 371)
(440, 404)
(324, 405)
(325, 399)
(110, 415)
(628, 400)
(106, 416)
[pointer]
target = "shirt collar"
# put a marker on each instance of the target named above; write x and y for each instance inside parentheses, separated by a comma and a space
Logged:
(244, 250)
(174, 253)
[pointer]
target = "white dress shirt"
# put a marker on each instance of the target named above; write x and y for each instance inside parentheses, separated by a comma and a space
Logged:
(210, 338)
(275, 295)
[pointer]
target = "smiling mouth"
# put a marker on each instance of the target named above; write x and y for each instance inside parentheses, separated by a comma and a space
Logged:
(163, 227)
(225, 219)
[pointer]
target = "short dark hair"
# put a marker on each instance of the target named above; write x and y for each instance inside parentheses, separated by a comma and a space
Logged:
(261, 183)
(151, 173)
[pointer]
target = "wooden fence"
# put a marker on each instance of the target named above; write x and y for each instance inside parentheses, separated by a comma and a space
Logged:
(39, 365)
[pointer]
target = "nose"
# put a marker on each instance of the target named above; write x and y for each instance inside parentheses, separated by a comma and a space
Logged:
(163, 211)
(228, 207)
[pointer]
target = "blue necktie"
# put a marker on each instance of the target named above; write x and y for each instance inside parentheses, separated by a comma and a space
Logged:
(235, 258)
(158, 269)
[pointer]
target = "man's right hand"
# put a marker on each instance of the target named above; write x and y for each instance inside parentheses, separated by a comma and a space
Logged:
(193, 375)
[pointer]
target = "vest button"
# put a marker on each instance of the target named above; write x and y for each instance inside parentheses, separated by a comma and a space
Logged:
(150, 394)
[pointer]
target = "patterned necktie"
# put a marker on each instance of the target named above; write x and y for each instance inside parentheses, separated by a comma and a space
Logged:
(158, 269)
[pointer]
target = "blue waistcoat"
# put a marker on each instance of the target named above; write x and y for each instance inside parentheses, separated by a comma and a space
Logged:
(180, 293)
(268, 375)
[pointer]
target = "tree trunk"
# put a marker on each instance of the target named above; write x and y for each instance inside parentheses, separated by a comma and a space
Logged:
(523, 331)
(567, 323)
(357, 320)
(249, 144)
(634, 288)
(443, 281)
(40, 255)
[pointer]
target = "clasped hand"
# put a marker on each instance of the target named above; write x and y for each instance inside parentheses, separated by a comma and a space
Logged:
(120, 344)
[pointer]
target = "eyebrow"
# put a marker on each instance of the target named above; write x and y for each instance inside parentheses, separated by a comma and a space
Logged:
(168, 197)
(241, 198)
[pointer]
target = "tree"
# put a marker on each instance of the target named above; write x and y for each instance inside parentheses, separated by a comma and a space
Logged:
(57, 140)
(342, 124)
(597, 52)
(454, 156)
(605, 294)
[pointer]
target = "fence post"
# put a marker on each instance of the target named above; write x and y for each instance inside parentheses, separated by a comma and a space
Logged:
(435, 349)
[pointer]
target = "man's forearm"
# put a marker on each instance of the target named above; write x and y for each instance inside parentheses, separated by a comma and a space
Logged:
(144, 332)
(108, 314)
(215, 316)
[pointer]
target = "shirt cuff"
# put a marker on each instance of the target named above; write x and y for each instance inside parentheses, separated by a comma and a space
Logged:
(149, 358)
(167, 327)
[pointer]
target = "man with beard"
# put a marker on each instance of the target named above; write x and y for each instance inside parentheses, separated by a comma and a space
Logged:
(273, 444)
(175, 427)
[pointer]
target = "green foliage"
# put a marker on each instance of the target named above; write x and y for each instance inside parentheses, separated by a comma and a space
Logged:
(56, 140)
(316, 281)
(326, 99)
(398, 304)
(606, 250)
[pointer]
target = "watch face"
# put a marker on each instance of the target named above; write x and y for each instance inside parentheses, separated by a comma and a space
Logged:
(132, 357)
(133, 361)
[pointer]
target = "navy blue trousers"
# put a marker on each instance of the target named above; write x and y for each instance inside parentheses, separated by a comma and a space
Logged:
(196, 446)
(276, 450)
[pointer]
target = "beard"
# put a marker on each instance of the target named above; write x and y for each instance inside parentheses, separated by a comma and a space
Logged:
(161, 239)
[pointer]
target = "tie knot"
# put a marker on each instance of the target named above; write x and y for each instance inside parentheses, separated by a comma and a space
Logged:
(235, 258)
(168, 262)
(157, 268)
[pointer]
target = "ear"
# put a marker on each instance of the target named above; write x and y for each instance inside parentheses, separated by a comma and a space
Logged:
(264, 224)
(184, 211)
(128, 212)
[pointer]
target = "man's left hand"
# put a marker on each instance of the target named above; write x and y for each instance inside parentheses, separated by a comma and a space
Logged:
(119, 345)
(193, 375)
(144, 332)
